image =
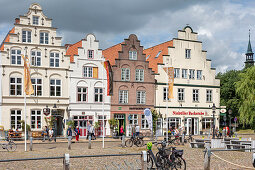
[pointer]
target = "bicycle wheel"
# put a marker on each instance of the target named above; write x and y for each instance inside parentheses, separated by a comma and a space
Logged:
(180, 163)
(11, 146)
(149, 161)
(129, 143)
(139, 143)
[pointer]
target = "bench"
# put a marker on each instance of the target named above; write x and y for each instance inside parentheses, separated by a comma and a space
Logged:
(235, 146)
(36, 134)
(197, 144)
(15, 135)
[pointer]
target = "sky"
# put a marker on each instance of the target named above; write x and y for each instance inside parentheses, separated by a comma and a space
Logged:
(222, 25)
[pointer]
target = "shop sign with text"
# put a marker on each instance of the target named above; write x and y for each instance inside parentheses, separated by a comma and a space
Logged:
(189, 113)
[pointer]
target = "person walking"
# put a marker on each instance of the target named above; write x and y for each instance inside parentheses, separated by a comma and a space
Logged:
(121, 132)
(133, 130)
(88, 130)
(137, 130)
(69, 132)
(77, 133)
(92, 132)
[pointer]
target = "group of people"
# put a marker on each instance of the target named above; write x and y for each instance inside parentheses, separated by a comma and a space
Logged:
(49, 133)
(177, 131)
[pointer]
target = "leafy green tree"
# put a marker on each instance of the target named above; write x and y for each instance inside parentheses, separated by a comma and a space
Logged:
(155, 116)
(245, 89)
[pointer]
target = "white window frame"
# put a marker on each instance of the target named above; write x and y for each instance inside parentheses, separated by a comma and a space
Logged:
(191, 74)
(199, 74)
(206, 121)
(26, 36)
(100, 94)
(90, 54)
(44, 38)
(145, 124)
(209, 95)
(184, 73)
(16, 57)
(139, 75)
(54, 59)
(84, 91)
(195, 95)
(174, 120)
(17, 124)
(132, 55)
(36, 85)
(88, 72)
(36, 60)
(165, 94)
(123, 96)
(35, 20)
(37, 114)
(16, 86)
(176, 73)
(133, 119)
(141, 97)
(55, 86)
(187, 53)
(125, 74)
(181, 94)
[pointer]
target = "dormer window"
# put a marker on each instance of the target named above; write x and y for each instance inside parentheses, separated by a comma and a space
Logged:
(90, 54)
(132, 55)
(35, 20)
(187, 53)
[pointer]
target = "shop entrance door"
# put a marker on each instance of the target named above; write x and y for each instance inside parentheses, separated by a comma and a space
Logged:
(100, 128)
(82, 122)
(58, 123)
(121, 122)
(191, 126)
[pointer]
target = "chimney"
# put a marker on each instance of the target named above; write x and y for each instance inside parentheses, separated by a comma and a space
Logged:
(17, 20)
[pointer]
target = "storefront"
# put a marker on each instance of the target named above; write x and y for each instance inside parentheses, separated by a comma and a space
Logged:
(82, 123)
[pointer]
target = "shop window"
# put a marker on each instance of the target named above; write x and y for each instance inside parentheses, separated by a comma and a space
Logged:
(15, 119)
(174, 123)
(145, 124)
(207, 123)
(133, 119)
(36, 119)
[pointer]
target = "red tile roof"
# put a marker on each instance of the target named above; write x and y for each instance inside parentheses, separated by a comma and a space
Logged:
(152, 52)
(73, 50)
(112, 53)
(7, 38)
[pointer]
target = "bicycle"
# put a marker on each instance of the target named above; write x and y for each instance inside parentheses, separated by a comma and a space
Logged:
(188, 139)
(175, 141)
(10, 146)
(138, 141)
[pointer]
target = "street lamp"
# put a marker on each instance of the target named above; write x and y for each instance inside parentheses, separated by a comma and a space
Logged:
(229, 114)
(213, 111)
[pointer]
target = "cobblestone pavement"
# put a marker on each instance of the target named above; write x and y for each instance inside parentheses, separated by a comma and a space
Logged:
(193, 157)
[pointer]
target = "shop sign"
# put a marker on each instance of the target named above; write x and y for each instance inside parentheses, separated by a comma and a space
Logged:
(189, 113)
(46, 111)
(136, 108)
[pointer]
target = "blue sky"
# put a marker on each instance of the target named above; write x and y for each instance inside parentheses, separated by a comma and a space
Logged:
(222, 25)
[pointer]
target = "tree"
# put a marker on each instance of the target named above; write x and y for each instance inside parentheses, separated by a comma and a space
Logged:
(155, 116)
(245, 89)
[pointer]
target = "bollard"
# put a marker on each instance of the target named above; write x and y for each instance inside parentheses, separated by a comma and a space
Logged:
(183, 139)
(89, 142)
(69, 142)
(31, 144)
(207, 157)
(253, 152)
(123, 141)
(43, 137)
(66, 161)
(144, 160)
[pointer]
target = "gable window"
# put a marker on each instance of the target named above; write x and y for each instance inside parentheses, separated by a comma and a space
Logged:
(82, 93)
(176, 73)
(26, 36)
(165, 93)
(195, 95)
(180, 94)
(15, 119)
(36, 58)
(123, 96)
(16, 57)
(199, 74)
(140, 97)
(88, 72)
(37, 86)
(36, 119)
(187, 53)
(35, 20)
(98, 95)
(15, 86)
(191, 74)
(44, 38)
(125, 74)
(133, 55)
(184, 73)
(145, 124)
(55, 87)
(54, 59)
(208, 95)
(90, 54)
(139, 75)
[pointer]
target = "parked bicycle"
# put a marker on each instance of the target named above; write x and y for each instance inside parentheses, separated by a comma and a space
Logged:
(138, 141)
(9, 146)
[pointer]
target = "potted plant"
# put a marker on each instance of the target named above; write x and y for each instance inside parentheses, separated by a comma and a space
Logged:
(113, 123)
(50, 120)
(96, 126)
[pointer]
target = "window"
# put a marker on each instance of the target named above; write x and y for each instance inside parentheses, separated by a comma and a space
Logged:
(98, 95)
(36, 58)
(15, 86)
(133, 55)
(15, 119)
(187, 53)
(165, 93)
(180, 94)
(139, 75)
(55, 87)
(36, 119)
(88, 72)
(140, 97)
(26, 36)
(16, 57)
(123, 96)
(35, 20)
(37, 85)
(207, 123)
(199, 74)
(44, 38)
(82, 93)
(90, 54)
(54, 59)
(145, 124)
(191, 74)
(195, 95)
(176, 73)
(158, 54)
(125, 74)
(184, 73)
(133, 119)
(208, 95)
(174, 122)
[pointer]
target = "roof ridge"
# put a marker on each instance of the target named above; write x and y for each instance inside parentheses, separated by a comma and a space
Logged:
(112, 46)
(159, 44)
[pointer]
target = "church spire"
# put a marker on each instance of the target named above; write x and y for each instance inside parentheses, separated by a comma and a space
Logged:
(249, 54)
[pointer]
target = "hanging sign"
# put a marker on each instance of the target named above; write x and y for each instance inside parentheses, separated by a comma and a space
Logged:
(46, 111)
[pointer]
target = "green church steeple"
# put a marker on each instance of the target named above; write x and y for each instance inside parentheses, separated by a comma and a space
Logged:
(249, 54)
